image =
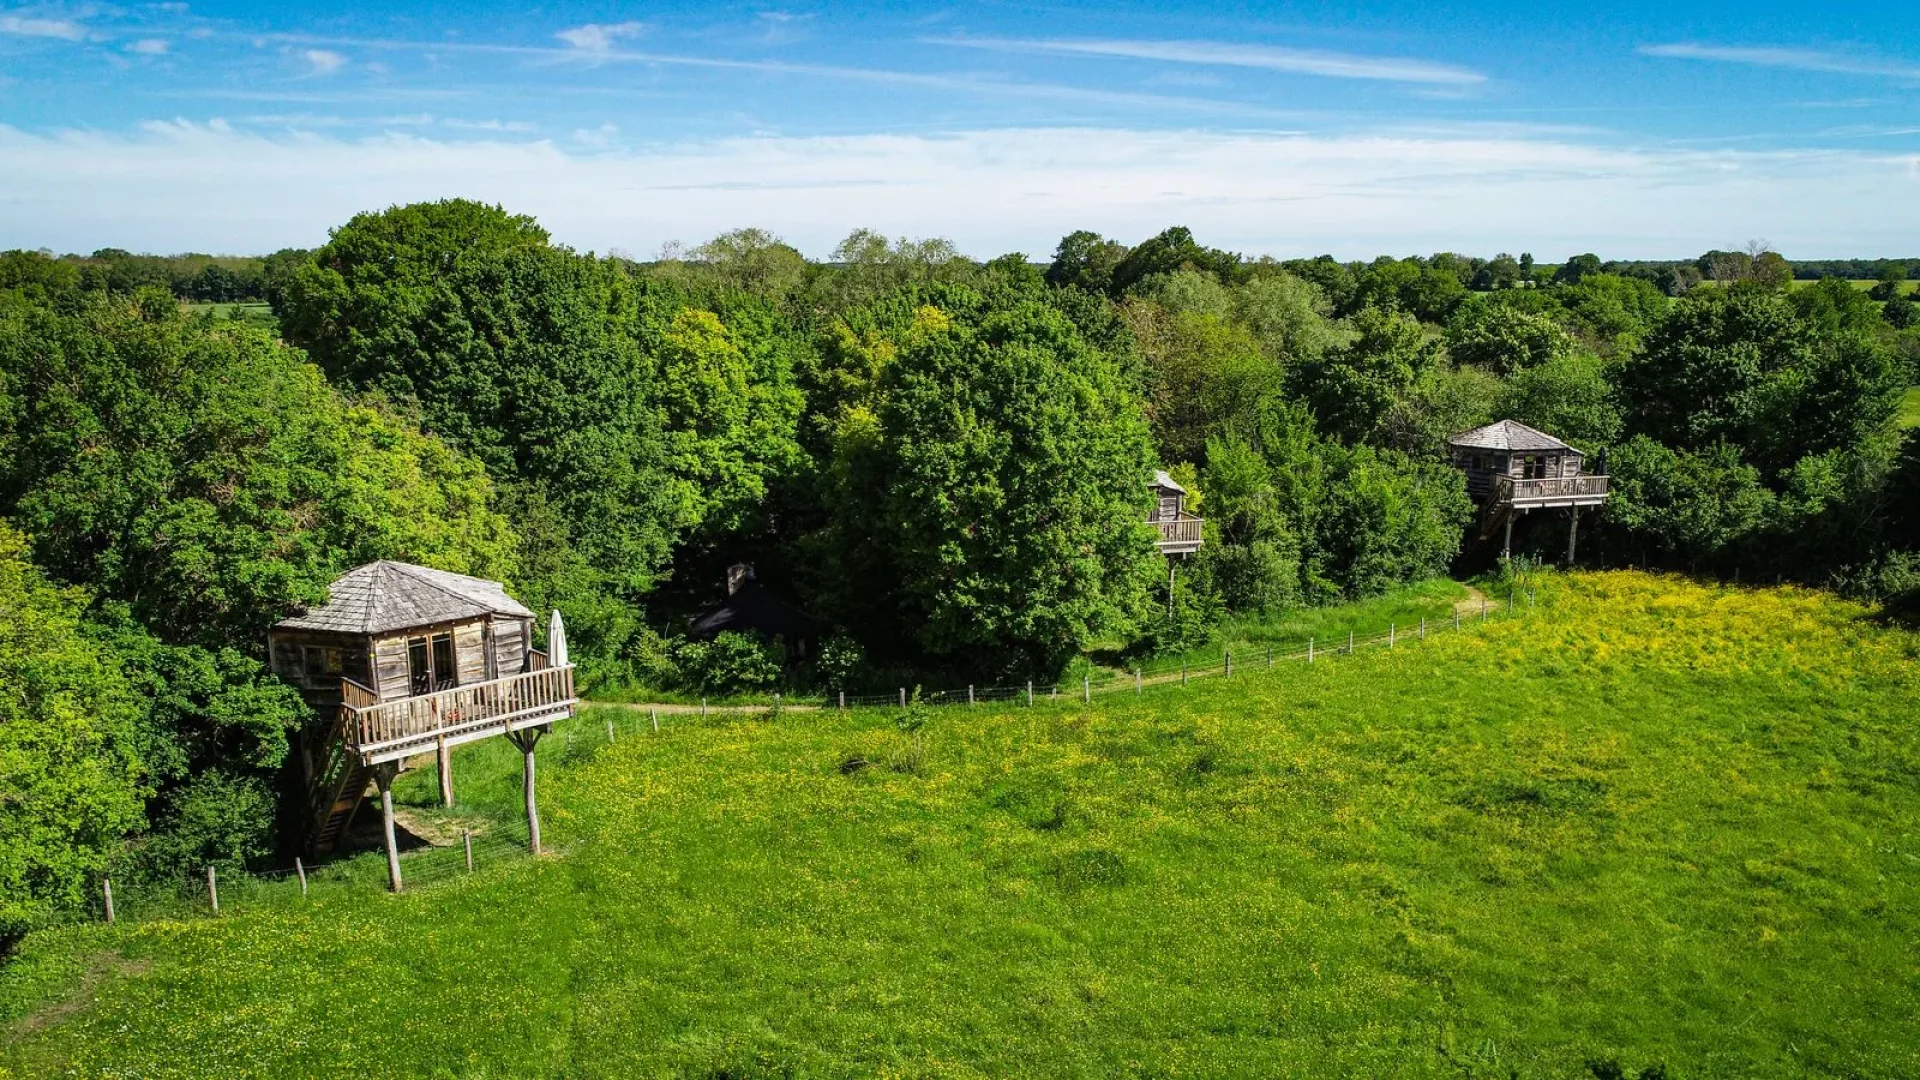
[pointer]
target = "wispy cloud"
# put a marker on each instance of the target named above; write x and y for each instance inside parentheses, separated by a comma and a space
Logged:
(1266, 57)
(1796, 59)
(322, 61)
(599, 37)
(980, 87)
(183, 185)
(35, 26)
(149, 47)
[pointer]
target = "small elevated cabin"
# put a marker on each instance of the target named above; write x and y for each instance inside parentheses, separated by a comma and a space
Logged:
(1513, 469)
(1179, 530)
(752, 608)
(406, 660)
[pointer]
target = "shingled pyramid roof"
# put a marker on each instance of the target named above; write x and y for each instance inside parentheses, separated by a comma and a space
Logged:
(383, 596)
(1508, 435)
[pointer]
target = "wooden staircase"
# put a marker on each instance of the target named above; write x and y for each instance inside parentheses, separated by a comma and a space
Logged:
(1497, 509)
(339, 785)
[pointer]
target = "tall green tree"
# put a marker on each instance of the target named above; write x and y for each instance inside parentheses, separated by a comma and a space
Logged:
(993, 504)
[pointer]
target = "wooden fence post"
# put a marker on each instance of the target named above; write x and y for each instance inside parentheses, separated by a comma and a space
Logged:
(843, 701)
(1086, 689)
(969, 695)
(1136, 682)
(656, 715)
(1183, 673)
(106, 889)
(609, 731)
(1393, 632)
(1349, 643)
(213, 892)
(903, 697)
(1309, 650)
(703, 714)
(466, 839)
(1029, 693)
(301, 869)
(1229, 663)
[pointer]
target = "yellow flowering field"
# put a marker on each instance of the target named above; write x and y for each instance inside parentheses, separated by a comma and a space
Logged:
(1648, 828)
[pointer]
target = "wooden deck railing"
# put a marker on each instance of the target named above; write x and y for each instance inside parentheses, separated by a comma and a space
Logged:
(388, 728)
(1183, 530)
(1565, 489)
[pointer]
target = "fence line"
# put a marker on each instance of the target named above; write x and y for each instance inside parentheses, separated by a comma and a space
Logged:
(209, 892)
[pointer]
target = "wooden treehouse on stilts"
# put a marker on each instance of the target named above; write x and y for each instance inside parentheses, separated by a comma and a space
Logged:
(403, 661)
(1179, 531)
(1513, 469)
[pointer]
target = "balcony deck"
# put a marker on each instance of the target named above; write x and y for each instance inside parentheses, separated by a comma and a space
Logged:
(1180, 536)
(383, 731)
(1552, 492)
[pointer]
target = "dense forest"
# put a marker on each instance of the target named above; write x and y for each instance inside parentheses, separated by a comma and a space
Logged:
(944, 460)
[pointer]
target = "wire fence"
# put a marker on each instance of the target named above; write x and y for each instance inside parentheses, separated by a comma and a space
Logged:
(216, 890)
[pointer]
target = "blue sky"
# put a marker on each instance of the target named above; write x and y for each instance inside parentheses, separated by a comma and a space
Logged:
(1631, 129)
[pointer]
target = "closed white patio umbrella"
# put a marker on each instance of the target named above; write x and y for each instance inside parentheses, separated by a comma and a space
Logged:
(556, 640)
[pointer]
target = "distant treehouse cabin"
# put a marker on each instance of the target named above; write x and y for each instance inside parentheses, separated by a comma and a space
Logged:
(403, 661)
(1513, 469)
(1179, 530)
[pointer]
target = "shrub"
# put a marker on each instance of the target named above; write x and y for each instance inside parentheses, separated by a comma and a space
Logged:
(731, 663)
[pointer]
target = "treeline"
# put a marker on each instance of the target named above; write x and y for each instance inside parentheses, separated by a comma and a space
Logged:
(193, 277)
(943, 461)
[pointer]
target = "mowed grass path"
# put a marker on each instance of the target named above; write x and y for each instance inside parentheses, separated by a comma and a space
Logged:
(1651, 824)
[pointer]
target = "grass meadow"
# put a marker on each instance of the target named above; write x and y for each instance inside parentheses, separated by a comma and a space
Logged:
(1650, 828)
(1910, 408)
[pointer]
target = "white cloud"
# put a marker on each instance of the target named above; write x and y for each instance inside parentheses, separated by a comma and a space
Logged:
(597, 138)
(322, 61)
(599, 37)
(180, 186)
(1267, 57)
(1796, 59)
(32, 26)
(149, 47)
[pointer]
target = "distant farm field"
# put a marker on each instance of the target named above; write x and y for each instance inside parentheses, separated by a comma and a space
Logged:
(253, 314)
(1649, 825)
(1910, 408)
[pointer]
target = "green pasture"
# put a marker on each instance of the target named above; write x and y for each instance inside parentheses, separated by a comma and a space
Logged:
(1910, 408)
(1649, 828)
(254, 314)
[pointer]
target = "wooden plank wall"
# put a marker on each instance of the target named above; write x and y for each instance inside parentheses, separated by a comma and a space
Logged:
(390, 667)
(509, 646)
(470, 652)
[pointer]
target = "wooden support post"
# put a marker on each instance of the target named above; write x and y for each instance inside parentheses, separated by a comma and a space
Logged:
(106, 890)
(1456, 618)
(656, 716)
(527, 739)
(1573, 536)
(1183, 673)
(903, 697)
(843, 701)
(1086, 689)
(969, 695)
(703, 714)
(300, 868)
(383, 779)
(1483, 608)
(213, 891)
(1029, 693)
(1349, 643)
(444, 758)
(1136, 682)
(1393, 632)
(466, 840)
(1506, 546)
(1229, 663)
(609, 731)
(1309, 650)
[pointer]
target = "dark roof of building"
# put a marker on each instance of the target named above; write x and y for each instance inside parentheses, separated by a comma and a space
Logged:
(383, 596)
(1508, 435)
(755, 610)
